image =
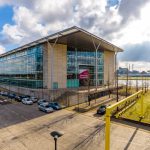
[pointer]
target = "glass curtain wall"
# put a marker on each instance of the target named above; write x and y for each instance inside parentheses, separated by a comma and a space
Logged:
(24, 68)
(81, 62)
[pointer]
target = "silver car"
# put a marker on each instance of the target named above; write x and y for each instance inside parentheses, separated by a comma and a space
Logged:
(43, 101)
(34, 99)
(27, 101)
(45, 108)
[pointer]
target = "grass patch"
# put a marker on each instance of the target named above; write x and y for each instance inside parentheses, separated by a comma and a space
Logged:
(134, 78)
(134, 113)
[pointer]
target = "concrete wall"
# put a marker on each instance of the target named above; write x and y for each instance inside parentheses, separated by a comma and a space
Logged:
(39, 93)
(58, 72)
(109, 66)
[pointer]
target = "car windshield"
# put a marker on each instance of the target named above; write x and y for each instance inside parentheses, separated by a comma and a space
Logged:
(47, 106)
(54, 103)
(103, 106)
(27, 99)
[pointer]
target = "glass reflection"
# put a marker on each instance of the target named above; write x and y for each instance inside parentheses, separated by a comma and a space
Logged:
(24, 68)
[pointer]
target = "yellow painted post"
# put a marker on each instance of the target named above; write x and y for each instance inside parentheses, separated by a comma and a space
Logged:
(109, 110)
(142, 105)
(107, 130)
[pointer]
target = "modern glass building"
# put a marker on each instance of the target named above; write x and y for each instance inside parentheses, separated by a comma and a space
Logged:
(24, 68)
(71, 58)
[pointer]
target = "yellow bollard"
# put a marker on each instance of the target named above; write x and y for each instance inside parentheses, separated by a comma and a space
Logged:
(107, 130)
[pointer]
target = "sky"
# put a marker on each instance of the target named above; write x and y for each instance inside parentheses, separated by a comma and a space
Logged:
(124, 23)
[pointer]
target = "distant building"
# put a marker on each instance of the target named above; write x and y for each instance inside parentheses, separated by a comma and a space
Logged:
(122, 70)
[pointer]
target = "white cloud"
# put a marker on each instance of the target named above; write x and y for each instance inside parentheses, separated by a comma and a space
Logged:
(36, 20)
(2, 49)
(123, 24)
(137, 31)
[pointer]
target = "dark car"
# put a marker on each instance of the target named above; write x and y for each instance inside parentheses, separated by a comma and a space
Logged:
(55, 105)
(11, 95)
(101, 110)
(18, 98)
(24, 96)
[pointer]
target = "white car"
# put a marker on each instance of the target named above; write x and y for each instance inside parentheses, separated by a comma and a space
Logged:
(34, 99)
(45, 108)
(27, 101)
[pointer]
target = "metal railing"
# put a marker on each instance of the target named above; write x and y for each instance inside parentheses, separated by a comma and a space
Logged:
(109, 110)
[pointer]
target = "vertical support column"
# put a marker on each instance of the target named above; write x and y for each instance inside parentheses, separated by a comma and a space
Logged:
(115, 70)
(52, 58)
(76, 63)
(52, 64)
(96, 77)
(96, 70)
(117, 79)
(27, 69)
(107, 130)
(108, 81)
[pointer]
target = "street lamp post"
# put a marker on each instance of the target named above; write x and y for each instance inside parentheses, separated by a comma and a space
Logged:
(56, 135)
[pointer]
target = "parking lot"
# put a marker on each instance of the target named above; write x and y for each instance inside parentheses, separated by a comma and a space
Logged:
(24, 127)
(16, 112)
(16, 108)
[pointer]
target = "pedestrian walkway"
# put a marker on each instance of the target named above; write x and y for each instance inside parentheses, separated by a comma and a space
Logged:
(87, 106)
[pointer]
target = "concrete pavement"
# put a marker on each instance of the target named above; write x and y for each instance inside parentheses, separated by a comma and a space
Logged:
(81, 132)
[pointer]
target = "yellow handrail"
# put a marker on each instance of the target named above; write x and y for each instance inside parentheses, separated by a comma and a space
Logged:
(109, 110)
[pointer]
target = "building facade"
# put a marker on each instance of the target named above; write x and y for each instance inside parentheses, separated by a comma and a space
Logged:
(71, 58)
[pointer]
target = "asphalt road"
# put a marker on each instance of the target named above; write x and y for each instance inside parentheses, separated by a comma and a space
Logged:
(17, 112)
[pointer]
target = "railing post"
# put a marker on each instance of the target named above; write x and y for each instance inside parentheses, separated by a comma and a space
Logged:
(109, 110)
(107, 130)
(142, 105)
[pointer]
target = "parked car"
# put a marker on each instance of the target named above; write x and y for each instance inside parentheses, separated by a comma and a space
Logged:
(24, 96)
(41, 101)
(55, 105)
(11, 95)
(1, 92)
(4, 93)
(5, 101)
(18, 98)
(45, 108)
(34, 99)
(101, 110)
(27, 101)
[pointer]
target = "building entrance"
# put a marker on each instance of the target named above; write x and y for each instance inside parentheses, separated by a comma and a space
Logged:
(86, 75)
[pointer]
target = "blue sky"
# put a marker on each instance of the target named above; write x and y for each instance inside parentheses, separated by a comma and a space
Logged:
(6, 14)
(113, 2)
(119, 21)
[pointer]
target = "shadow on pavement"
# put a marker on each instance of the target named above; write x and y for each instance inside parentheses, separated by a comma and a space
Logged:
(132, 123)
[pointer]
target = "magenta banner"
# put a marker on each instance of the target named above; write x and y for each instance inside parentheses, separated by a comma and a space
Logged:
(84, 74)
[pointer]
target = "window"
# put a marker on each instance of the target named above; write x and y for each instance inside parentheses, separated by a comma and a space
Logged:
(82, 59)
(23, 68)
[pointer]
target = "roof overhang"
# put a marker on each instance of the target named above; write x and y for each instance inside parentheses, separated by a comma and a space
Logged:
(75, 37)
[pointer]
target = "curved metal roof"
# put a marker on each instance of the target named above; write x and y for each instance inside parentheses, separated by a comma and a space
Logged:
(73, 36)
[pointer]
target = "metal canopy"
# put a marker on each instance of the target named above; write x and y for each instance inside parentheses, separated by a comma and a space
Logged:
(74, 37)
